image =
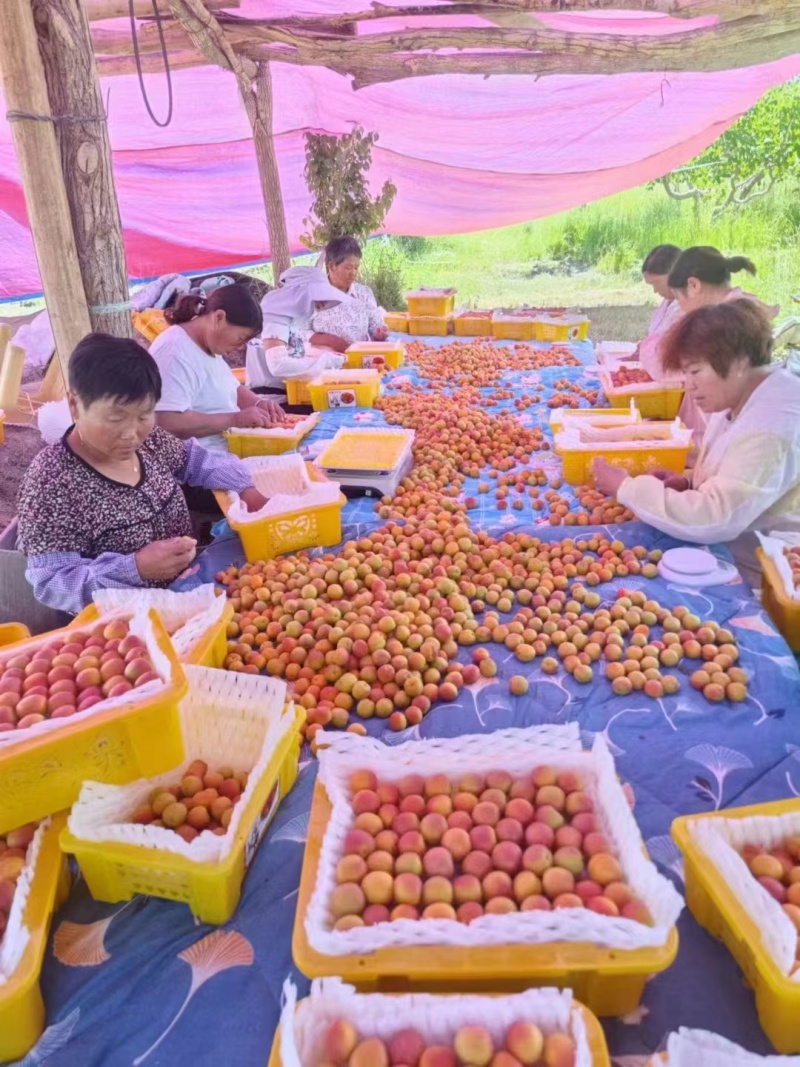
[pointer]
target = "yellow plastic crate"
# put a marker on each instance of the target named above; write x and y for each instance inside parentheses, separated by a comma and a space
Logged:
(594, 1035)
(475, 325)
(251, 444)
(429, 325)
(507, 327)
(12, 632)
(781, 608)
(396, 321)
(297, 392)
(116, 872)
(561, 417)
(561, 330)
(715, 906)
(656, 400)
(438, 303)
(338, 389)
(376, 354)
(22, 1012)
(210, 649)
(150, 323)
(607, 981)
(662, 455)
(316, 527)
(44, 774)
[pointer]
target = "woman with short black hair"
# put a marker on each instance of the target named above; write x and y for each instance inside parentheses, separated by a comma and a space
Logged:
(103, 508)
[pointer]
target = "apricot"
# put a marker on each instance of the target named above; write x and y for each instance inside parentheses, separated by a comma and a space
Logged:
(603, 868)
(339, 1041)
(347, 899)
(559, 1051)
(474, 1045)
(370, 1053)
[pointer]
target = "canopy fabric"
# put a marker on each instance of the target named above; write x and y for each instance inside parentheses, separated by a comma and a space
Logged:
(466, 153)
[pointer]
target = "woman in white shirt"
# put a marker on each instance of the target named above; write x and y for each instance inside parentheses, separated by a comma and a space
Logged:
(747, 476)
(200, 395)
(359, 319)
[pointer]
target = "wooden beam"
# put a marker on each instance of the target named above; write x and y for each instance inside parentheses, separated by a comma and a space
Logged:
(255, 90)
(97, 10)
(74, 90)
(26, 98)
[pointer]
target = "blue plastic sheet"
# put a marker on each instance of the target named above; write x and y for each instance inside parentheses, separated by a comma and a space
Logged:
(143, 983)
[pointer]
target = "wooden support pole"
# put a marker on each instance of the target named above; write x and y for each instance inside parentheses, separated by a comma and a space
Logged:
(73, 88)
(268, 171)
(39, 161)
(255, 89)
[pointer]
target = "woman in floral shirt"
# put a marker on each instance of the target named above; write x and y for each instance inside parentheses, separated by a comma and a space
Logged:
(358, 319)
(104, 507)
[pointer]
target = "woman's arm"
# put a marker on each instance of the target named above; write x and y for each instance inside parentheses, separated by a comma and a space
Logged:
(185, 424)
(329, 340)
(217, 470)
(66, 581)
(756, 472)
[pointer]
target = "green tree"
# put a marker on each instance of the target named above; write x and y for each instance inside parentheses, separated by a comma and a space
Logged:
(762, 148)
(336, 175)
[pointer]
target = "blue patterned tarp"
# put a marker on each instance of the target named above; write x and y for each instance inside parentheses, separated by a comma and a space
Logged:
(143, 983)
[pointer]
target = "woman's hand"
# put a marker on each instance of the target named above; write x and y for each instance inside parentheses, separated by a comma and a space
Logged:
(250, 418)
(607, 479)
(381, 334)
(252, 499)
(161, 561)
(672, 480)
(273, 409)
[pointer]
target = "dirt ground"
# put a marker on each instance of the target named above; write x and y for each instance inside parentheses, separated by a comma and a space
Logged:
(21, 445)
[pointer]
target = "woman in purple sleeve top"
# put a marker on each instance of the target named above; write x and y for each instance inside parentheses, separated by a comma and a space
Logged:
(104, 507)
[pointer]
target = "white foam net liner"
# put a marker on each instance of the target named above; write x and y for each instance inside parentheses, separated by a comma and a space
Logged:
(226, 719)
(721, 840)
(17, 935)
(186, 616)
(299, 429)
(774, 548)
(518, 752)
(285, 481)
(141, 625)
(700, 1048)
(637, 387)
(580, 436)
(437, 1018)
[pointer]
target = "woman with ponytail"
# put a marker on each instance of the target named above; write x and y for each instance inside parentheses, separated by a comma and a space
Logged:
(701, 277)
(201, 396)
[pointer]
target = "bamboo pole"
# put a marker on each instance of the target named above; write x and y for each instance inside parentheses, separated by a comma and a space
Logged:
(39, 161)
(74, 90)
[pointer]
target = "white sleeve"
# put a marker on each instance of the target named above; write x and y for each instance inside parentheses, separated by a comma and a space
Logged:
(277, 330)
(180, 380)
(756, 472)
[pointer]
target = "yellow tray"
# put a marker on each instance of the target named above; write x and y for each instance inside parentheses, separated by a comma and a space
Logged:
(782, 609)
(438, 303)
(244, 445)
(373, 451)
(44, 774)
(376, 354)
(396, 321)
(429, 325)
(594, 1035)
(297, 393)
(607, 981)
(334, 390)
(578, 464)
(22, 1013)
(115, 872)
(571, 328)
(316, 527)
(209, 650)
(715, 906)
(472, 325)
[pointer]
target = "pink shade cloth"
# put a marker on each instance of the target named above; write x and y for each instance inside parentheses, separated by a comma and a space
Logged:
(466, 153)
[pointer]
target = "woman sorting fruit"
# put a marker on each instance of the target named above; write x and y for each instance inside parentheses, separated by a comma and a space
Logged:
(747, 475)
(287, 312)
(701, 277)
(103, 508)
(655, 271)
(201, 396)
(360, 319)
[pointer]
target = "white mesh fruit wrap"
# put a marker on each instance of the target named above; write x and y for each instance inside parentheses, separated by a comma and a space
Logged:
(226, 719)
(17, 935)
(722, 840)
(699, 1048)
(285, 482)
(437, 1018)
(518, 752)
(186, 616)
(141, 625)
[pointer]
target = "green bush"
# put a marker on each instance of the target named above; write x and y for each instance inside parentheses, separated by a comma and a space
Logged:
(383, 271)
